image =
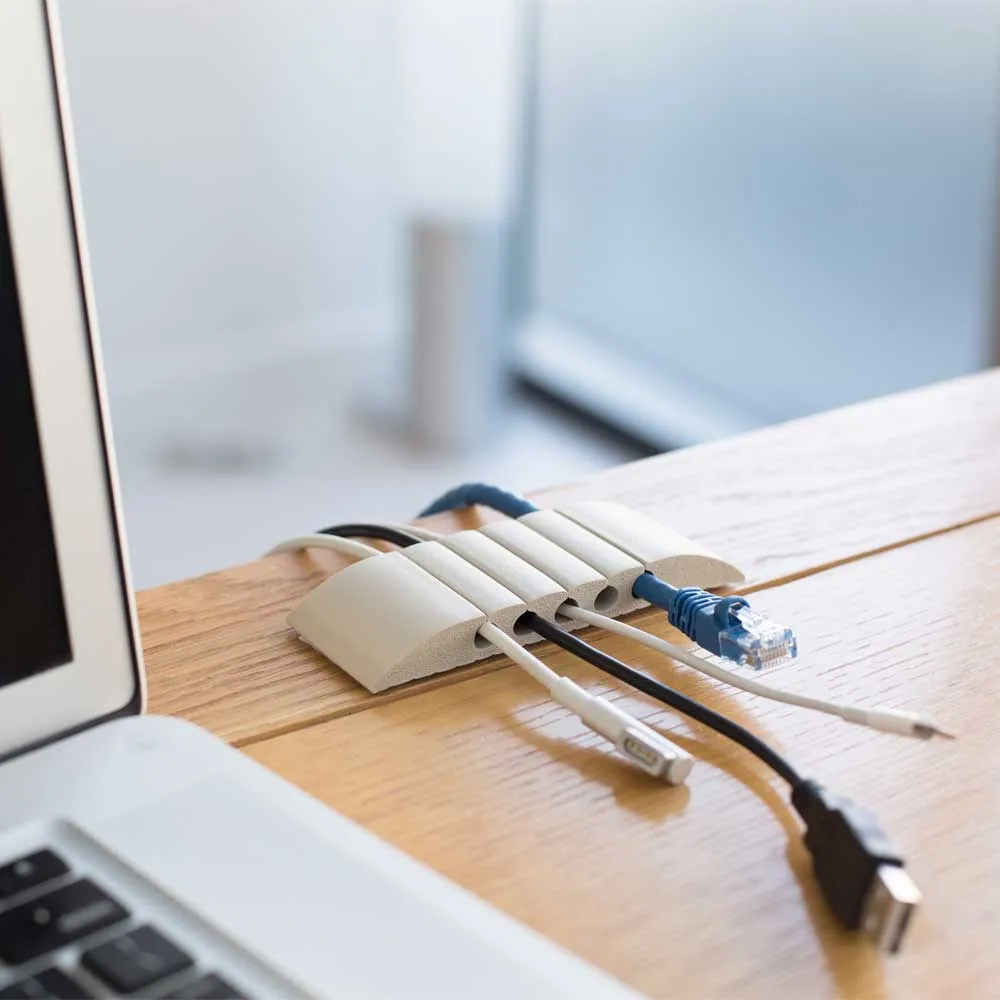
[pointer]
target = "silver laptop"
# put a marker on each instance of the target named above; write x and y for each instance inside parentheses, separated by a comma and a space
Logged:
(141, 856)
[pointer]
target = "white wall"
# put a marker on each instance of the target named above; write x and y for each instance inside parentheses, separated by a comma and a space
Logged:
(785, 206)
(238, 163)
(248, 169)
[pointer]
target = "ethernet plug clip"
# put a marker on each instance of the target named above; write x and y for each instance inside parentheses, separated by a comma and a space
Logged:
(752, 638)
(725, 626)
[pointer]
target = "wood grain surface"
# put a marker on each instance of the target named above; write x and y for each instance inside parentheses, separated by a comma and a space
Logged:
(782, 502)
(705, 891)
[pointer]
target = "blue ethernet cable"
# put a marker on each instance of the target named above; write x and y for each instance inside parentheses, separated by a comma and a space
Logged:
(483, 495)
(725, 626)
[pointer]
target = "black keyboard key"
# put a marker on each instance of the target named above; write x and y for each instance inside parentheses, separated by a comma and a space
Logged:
(56, 919)
(52, 984)
(210, 987)
(26, 990)
(135, 960)
(30, 872)
(60, 986)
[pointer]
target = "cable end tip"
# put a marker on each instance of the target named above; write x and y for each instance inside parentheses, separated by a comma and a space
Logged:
(891, 904)
(655, 754)
(928, 730)
(754, 640)
(889, 720)
(678, 770)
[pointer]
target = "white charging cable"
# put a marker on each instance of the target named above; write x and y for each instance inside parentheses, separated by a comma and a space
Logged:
(649, 750)
(887, 720)
(640, 744)
(345, 546)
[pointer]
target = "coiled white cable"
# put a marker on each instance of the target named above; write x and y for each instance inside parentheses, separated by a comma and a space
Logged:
(345, 546)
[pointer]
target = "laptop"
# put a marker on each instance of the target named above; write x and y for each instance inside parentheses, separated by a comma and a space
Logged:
(141, 856)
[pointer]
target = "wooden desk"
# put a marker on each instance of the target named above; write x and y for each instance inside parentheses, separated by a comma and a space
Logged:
(873, 530)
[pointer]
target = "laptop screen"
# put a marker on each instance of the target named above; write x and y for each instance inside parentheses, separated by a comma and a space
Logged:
(34, 634)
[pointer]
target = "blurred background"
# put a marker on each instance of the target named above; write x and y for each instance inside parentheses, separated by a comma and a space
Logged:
(347, 253)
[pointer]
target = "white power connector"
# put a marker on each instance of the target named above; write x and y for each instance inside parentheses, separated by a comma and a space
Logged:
(642, 745)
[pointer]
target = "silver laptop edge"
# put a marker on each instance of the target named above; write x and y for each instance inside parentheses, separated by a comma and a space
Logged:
(186, 836)
(104, 677)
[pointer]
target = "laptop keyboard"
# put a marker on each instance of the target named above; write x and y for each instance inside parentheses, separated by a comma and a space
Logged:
(44, 909)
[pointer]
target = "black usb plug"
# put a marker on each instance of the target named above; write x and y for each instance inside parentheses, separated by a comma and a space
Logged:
(859, 871)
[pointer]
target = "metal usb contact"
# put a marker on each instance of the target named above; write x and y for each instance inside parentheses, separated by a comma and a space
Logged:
(892, 901)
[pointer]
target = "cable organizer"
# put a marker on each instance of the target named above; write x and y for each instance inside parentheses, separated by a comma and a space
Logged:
(539, 592)
(407, 614)
(660, 549)
(582, 584)
(386, 621)
(501, 606)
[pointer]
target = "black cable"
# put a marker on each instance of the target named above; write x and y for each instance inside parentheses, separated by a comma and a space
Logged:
(661, 692)
(377, 531)
(858, 870)
(609, 664)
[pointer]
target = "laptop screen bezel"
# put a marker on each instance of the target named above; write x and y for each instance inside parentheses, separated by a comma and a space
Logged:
(104, 678)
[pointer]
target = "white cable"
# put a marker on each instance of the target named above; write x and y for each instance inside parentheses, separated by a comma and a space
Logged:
(639, 743)
(886, 720)
(348, 546)
(345, 546)
(424, 534)
(524, 658)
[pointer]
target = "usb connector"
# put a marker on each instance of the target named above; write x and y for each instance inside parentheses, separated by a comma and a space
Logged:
(858, 870)
(891, 902)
